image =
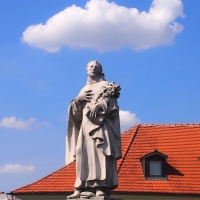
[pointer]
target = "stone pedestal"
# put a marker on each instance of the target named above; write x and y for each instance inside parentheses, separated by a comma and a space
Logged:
(100, 198)
(105, 198)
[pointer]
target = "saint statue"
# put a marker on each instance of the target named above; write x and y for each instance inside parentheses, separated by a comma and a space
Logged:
(94, 135)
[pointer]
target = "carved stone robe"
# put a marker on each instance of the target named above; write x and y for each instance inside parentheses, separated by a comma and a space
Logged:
(96, 145)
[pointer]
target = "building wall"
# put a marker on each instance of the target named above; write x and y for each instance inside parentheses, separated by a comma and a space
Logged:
(125, 197)
(42, 197)
(155, 197)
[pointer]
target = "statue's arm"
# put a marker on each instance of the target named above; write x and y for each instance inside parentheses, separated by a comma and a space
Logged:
(97, 109)
(85, 95)
(106, 102)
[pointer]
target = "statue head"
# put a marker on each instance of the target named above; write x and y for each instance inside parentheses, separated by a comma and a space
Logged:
(94, 69)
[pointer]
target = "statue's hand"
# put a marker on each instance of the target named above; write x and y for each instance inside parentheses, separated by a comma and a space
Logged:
(86, 96)
(94, 111)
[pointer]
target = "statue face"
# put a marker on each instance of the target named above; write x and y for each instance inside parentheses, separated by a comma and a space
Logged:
(93, 69)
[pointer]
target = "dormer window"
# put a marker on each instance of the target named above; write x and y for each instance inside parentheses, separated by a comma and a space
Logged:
(154, 166)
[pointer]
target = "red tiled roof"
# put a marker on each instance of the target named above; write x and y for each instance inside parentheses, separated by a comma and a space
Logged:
(60, 181)
(180, 142)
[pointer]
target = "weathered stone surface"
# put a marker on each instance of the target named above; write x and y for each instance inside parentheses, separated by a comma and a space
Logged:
(104, 198)
(100, 198)
(94, 134)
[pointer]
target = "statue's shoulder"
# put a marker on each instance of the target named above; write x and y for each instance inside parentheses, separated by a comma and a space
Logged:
(104, 82)
(84, 88)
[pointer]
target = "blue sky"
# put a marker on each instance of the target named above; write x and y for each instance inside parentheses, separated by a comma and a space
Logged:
(42, 68)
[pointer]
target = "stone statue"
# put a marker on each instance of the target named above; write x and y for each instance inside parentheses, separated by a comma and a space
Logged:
(94, 135)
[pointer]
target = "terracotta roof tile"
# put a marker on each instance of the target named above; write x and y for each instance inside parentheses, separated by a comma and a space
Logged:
(180, 142)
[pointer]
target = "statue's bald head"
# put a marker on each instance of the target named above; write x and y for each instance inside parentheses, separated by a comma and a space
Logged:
(94, 69)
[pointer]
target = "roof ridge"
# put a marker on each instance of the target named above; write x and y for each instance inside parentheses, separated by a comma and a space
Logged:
(171, 125)
(129, 145)
(42, 178)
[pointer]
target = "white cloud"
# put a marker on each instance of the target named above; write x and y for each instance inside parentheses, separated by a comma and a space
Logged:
(45, 123)
(16, 168)
(13, 122)
(20, 124)
(105, 26)
(127, 119)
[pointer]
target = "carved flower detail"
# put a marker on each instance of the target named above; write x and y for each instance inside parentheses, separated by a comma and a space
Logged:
(110, 90)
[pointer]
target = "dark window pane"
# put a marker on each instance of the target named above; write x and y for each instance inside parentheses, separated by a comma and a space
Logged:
(155, 168)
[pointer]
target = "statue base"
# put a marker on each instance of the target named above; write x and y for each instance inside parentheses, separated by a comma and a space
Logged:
(100, 198)
(105, 198)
